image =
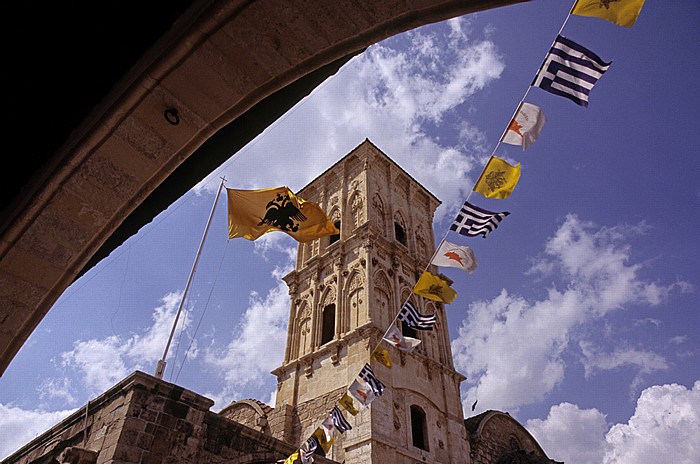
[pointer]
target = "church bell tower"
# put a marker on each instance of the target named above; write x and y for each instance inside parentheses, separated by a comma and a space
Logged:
(345, 292)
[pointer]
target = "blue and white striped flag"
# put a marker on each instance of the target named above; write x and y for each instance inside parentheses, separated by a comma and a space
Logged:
(570, 71)
(368, 376)
(415, 320)
(339, 422)
(472, 221)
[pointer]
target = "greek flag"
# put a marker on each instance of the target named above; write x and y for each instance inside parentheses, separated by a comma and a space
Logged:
(416, 320)
(472, 221)
(570, 71)
(368, 376)
(339, 422)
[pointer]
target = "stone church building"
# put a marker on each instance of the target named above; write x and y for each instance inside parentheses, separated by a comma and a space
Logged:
(345, 291)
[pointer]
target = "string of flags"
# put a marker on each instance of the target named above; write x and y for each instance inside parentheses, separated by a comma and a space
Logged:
(569, 70)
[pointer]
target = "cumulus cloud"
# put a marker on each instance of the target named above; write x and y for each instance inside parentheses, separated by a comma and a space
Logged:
(570, 434)
(258, 341)
(100, 363)
(393, 94)
(663, 428)
(513, 348)
(19, 426)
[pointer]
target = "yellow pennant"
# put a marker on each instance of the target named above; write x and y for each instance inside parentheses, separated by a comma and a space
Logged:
(498, 179)
(434, 288)
(347, 402)
(620, 12)
(252, 213)
(381, 355)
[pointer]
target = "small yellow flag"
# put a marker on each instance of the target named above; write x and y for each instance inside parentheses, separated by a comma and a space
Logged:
(324, 440)
(498, 179)
(349, 405)
(252, 213)
(620, 12)
(381, 355)
(434, 288)
(293, 458)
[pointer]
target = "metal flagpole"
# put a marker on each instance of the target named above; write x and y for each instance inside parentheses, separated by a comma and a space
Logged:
(160, 367)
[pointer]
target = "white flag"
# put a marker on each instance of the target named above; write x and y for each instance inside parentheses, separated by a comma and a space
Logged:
(361, 392)
(451, 255)
(396, 338)
(525, 126)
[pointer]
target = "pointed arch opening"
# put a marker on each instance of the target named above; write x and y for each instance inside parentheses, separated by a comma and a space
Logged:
(419, 428)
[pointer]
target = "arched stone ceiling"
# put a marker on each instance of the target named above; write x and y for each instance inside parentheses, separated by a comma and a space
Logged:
(228, 68)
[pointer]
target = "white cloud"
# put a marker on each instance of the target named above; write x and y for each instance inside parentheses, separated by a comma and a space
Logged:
(19, 426)
(257, 346)
(570, 434)
(645, 362)
(512, 349)
(664, 428)
(103, 362)
(393, 94)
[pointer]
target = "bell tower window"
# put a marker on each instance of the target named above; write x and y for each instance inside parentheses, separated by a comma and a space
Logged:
(419, 428)
(328, 326)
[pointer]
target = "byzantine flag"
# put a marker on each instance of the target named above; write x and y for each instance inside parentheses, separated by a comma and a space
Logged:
(498, 179)
(382, 356)
(293, 458)
(620, 12)
(570, 70)
(361, 392)
(434, 288)
(396, 338)
(252, 213)
(324, 439)
(451, 255)
(526, 126)
(349, 405)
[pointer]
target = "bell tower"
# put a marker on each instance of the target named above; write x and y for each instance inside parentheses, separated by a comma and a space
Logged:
(345, 292)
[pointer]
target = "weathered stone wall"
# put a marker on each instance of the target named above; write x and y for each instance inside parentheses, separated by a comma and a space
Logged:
(498, 433)
(143, 420)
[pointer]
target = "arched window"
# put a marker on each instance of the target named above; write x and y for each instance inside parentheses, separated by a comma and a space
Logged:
(328, 324)
(336, 237)
(400, 229)
(419, 428)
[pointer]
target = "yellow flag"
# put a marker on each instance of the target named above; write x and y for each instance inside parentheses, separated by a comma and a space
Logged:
(381, 355)
(620, 12)
(434, 288)
(498, 179)
(293, 458)
(324, 440)
(252, 213)
(349, 405)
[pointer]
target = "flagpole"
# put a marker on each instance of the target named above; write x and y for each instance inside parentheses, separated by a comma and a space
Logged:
(160, 367)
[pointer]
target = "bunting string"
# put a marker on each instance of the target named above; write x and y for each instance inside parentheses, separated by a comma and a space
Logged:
(568, 70)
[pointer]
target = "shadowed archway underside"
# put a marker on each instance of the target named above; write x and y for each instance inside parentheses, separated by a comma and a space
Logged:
(228, 68)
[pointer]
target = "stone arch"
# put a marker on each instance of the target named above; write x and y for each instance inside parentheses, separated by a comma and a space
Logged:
(303, 335)
(421, 245)
(400, 230)
(383, 299)
(354, 302)
(490, 435)
(357, 211)
(251, 413)
(251, 68)
(379, 212)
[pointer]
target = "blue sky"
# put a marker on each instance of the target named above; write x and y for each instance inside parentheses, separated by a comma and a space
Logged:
(581, 318)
